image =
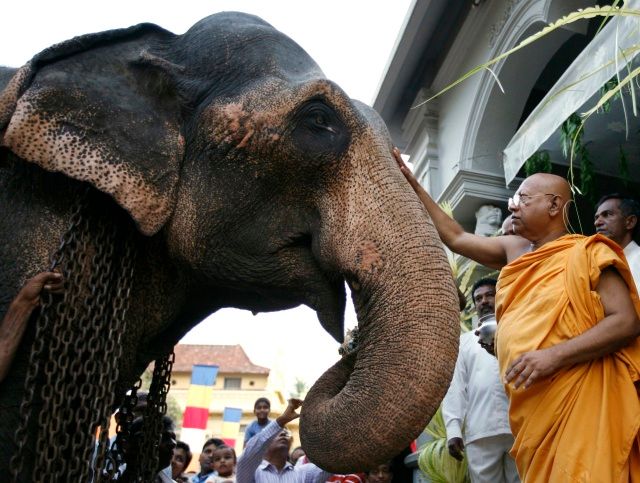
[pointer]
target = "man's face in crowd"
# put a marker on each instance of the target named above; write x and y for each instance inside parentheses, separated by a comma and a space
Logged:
(381, 474)
(262, 411)
(282, 441)
(206, 461)
(484, 299)
(610, 222)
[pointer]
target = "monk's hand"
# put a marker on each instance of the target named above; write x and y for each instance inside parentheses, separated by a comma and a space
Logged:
(530, 367)
(404, 169)
(456, 446)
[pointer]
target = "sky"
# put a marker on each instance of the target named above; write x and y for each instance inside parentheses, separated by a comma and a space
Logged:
(351, 40)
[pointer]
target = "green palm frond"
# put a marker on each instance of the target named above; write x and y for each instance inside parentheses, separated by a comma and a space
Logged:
(435, 460)
(615, 91)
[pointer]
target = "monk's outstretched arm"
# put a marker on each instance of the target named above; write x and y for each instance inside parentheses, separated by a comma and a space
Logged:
(488, 251)
(619, 327)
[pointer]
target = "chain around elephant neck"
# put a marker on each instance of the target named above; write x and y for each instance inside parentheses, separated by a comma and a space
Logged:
(74, 359)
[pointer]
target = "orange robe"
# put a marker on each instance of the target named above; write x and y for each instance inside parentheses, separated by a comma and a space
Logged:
(581, 424)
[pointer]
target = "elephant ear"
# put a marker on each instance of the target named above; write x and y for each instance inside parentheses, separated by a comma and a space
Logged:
(100, 108)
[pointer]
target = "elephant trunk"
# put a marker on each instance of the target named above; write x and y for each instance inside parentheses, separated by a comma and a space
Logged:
(371, 404)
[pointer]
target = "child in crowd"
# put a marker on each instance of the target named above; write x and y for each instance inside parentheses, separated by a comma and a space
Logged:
(380, 474)
(224, 465)
(261, 409)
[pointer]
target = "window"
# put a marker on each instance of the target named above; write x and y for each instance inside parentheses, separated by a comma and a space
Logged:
(232, 382)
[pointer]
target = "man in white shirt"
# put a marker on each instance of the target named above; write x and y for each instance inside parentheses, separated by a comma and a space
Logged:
(265, 459)
(617, 218)
(475, 409)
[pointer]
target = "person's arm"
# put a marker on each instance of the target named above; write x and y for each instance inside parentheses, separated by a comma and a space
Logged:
(454, 407)
(15, 320)
(253, 453)
(489, 251)
(619, 327)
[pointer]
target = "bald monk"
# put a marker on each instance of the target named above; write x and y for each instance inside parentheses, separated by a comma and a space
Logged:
(567, 337)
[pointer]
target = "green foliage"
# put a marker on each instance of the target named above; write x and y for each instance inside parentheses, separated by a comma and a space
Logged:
(538, 162)
(436, 427)
(435, 460)
(610, 85)
(571, 135)
(587, 178)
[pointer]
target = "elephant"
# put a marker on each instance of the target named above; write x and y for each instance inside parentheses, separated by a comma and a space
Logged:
(249, 180)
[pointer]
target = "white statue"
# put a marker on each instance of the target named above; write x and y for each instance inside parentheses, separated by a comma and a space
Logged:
(488, 220)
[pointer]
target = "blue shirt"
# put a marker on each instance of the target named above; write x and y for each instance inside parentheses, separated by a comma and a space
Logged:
(253, 429)
(200, 478)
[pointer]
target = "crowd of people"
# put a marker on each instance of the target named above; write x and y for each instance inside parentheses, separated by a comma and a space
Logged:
(267, 457)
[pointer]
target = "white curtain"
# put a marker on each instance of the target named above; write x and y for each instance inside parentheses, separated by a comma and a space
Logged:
(580, 81)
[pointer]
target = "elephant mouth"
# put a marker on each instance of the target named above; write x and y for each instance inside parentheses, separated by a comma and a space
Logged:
(322, 290)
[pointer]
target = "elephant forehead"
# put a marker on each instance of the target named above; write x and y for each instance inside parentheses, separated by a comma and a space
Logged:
(56, 144)
(235, 123)
(265, 109)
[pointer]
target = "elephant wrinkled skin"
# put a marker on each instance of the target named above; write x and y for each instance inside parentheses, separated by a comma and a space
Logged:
(254, 182)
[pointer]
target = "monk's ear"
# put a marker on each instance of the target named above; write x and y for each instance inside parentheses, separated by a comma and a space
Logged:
(556, 205)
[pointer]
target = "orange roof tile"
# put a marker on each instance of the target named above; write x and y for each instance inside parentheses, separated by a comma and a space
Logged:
(229, 358)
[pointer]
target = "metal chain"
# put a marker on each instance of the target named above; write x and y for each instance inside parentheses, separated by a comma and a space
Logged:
(110, 459)
(43, 324)
(79, 363)
(152, 424)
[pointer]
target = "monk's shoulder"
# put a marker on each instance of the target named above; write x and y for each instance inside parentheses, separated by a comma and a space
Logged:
(601, 246)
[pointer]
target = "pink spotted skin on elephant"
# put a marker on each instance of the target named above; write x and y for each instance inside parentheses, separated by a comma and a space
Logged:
(253, 182)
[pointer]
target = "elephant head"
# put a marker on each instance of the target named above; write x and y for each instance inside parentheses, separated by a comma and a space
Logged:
(264, 186)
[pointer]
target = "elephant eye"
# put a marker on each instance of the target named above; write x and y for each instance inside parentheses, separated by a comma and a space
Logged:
(320, 118)
(318, 130)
